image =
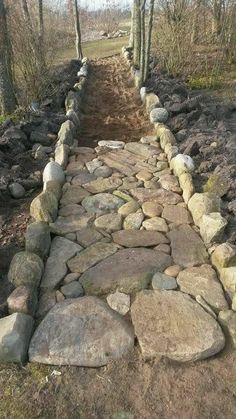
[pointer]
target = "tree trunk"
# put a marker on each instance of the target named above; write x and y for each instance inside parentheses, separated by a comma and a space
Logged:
(131, 38)
(7, 96)
(195, 29)
(41, 31)
(137, 33)
(149, 40)
(78, 46)
(143, 44)
(26, 14)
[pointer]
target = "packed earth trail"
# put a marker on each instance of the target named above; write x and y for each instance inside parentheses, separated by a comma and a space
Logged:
(128, 288)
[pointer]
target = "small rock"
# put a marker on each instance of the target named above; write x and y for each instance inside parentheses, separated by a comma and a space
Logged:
(156, 224)
(103, 171)
(109, 222)
(23, 300)
(133, 221)
(114, 145)
(165, 248)
(128, 208)
(26, 268)
(70, 278)
(227, 320)
(102, 203)
(212, 227)
(152, 209)
(173, 270)
(59, 296)
(72, 290)
(144, 175)
(160, 115)
(93, 165)
(163, 282)
(17, 191)
(119, 302)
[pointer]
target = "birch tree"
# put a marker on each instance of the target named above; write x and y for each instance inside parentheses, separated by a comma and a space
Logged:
(143, 40)
(149, 40)
(7, 96)
(78, 46)
(137, 33)
(41, 29)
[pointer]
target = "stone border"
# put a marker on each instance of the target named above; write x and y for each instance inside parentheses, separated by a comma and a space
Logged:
(27, 267)
(205, 207)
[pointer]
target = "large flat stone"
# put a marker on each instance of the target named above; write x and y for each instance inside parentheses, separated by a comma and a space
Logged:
(187, 247)
(83, 332)
(15, 333)
(74, 195)
(103, 185)
(102, 203)
(127, 271)
(203, 281)
(90, 256)
(70, 224)
(176, 214)
(161, 196)
(88, 236)
(171, 324)
(137, 238)
(140, 149)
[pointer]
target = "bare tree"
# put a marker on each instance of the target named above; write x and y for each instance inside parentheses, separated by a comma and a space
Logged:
(77, 30)
(149, 40)
(7, 96)
(143, 39)
(137, 33)
(41, 29)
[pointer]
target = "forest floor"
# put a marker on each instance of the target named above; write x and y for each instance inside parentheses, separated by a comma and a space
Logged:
(130, 388)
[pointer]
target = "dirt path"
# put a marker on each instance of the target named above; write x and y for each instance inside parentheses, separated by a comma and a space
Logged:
(113, 110)
(130, 388)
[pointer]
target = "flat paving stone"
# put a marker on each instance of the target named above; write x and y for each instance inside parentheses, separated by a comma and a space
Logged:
(172, 324)
(158, 195)
(140, 149)
(137, 238)
(71, 224)
(187, 247)
(128, 271)
(103, 185)
(102, 203)
(74, 195)
(156, 224)
(109, 222)
(88, 236)
(177, 214)
(71, 209)
(90, 256)
(84, 332)
(83, 177)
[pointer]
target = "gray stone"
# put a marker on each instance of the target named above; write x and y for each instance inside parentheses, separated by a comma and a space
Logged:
(187, 247)
(102, 203)
(82, 178)
(163, 282)
(227, 320)
(44, 207)
(46, 302)
(74, 195)
(53, 172)
(38, 239)
(62, 154)
(17, 191)
(55, 272)
(72, 290)
(71, 278)
(176, 214)
(88, 236)
(83, 332)
(71, 224)
(103, 171)
(203, 203)
(140, 149)
(160, 196)
(156, 224)
(128, 271)
(203, 281)
(133, 221)
(160, 115)
(26, 268)
(66, 133)
(137, 238)
(63, 249)
(91, 256)
(23, 300)
(54, 187)
(103, 185)
(93, 165)
(182, 330)
(71, 209)
(212, 227)
(109, 222)
(15, 334)
(129, 208)
(119, 302)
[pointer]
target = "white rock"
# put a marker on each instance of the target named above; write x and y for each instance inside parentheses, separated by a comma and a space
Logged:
(53, 172)
(111, 144)
(143, 92)
(182, 164)
(212, 227)
(119, 302)
(93, 165)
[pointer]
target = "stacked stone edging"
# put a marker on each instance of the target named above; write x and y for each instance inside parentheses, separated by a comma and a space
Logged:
(27, 267)
(205, 207)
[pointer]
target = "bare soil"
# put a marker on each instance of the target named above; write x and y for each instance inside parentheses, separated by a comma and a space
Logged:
(131, 388)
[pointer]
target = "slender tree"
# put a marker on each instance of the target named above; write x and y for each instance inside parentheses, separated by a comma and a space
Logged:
(137, 33)
(7, 96)
(149, 40)
(41, 31)
(143, 40)
(77, 30)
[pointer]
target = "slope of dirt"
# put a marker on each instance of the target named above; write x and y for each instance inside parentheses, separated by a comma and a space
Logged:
(112, 109)
(130, 388)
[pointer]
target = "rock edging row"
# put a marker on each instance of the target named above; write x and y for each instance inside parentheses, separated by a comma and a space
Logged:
(205, 207)
(27, 267)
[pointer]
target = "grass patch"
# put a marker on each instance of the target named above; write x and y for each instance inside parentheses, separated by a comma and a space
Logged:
(100, 48)
(213, 81)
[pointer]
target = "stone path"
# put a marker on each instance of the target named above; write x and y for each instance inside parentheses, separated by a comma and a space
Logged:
(126, 260)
